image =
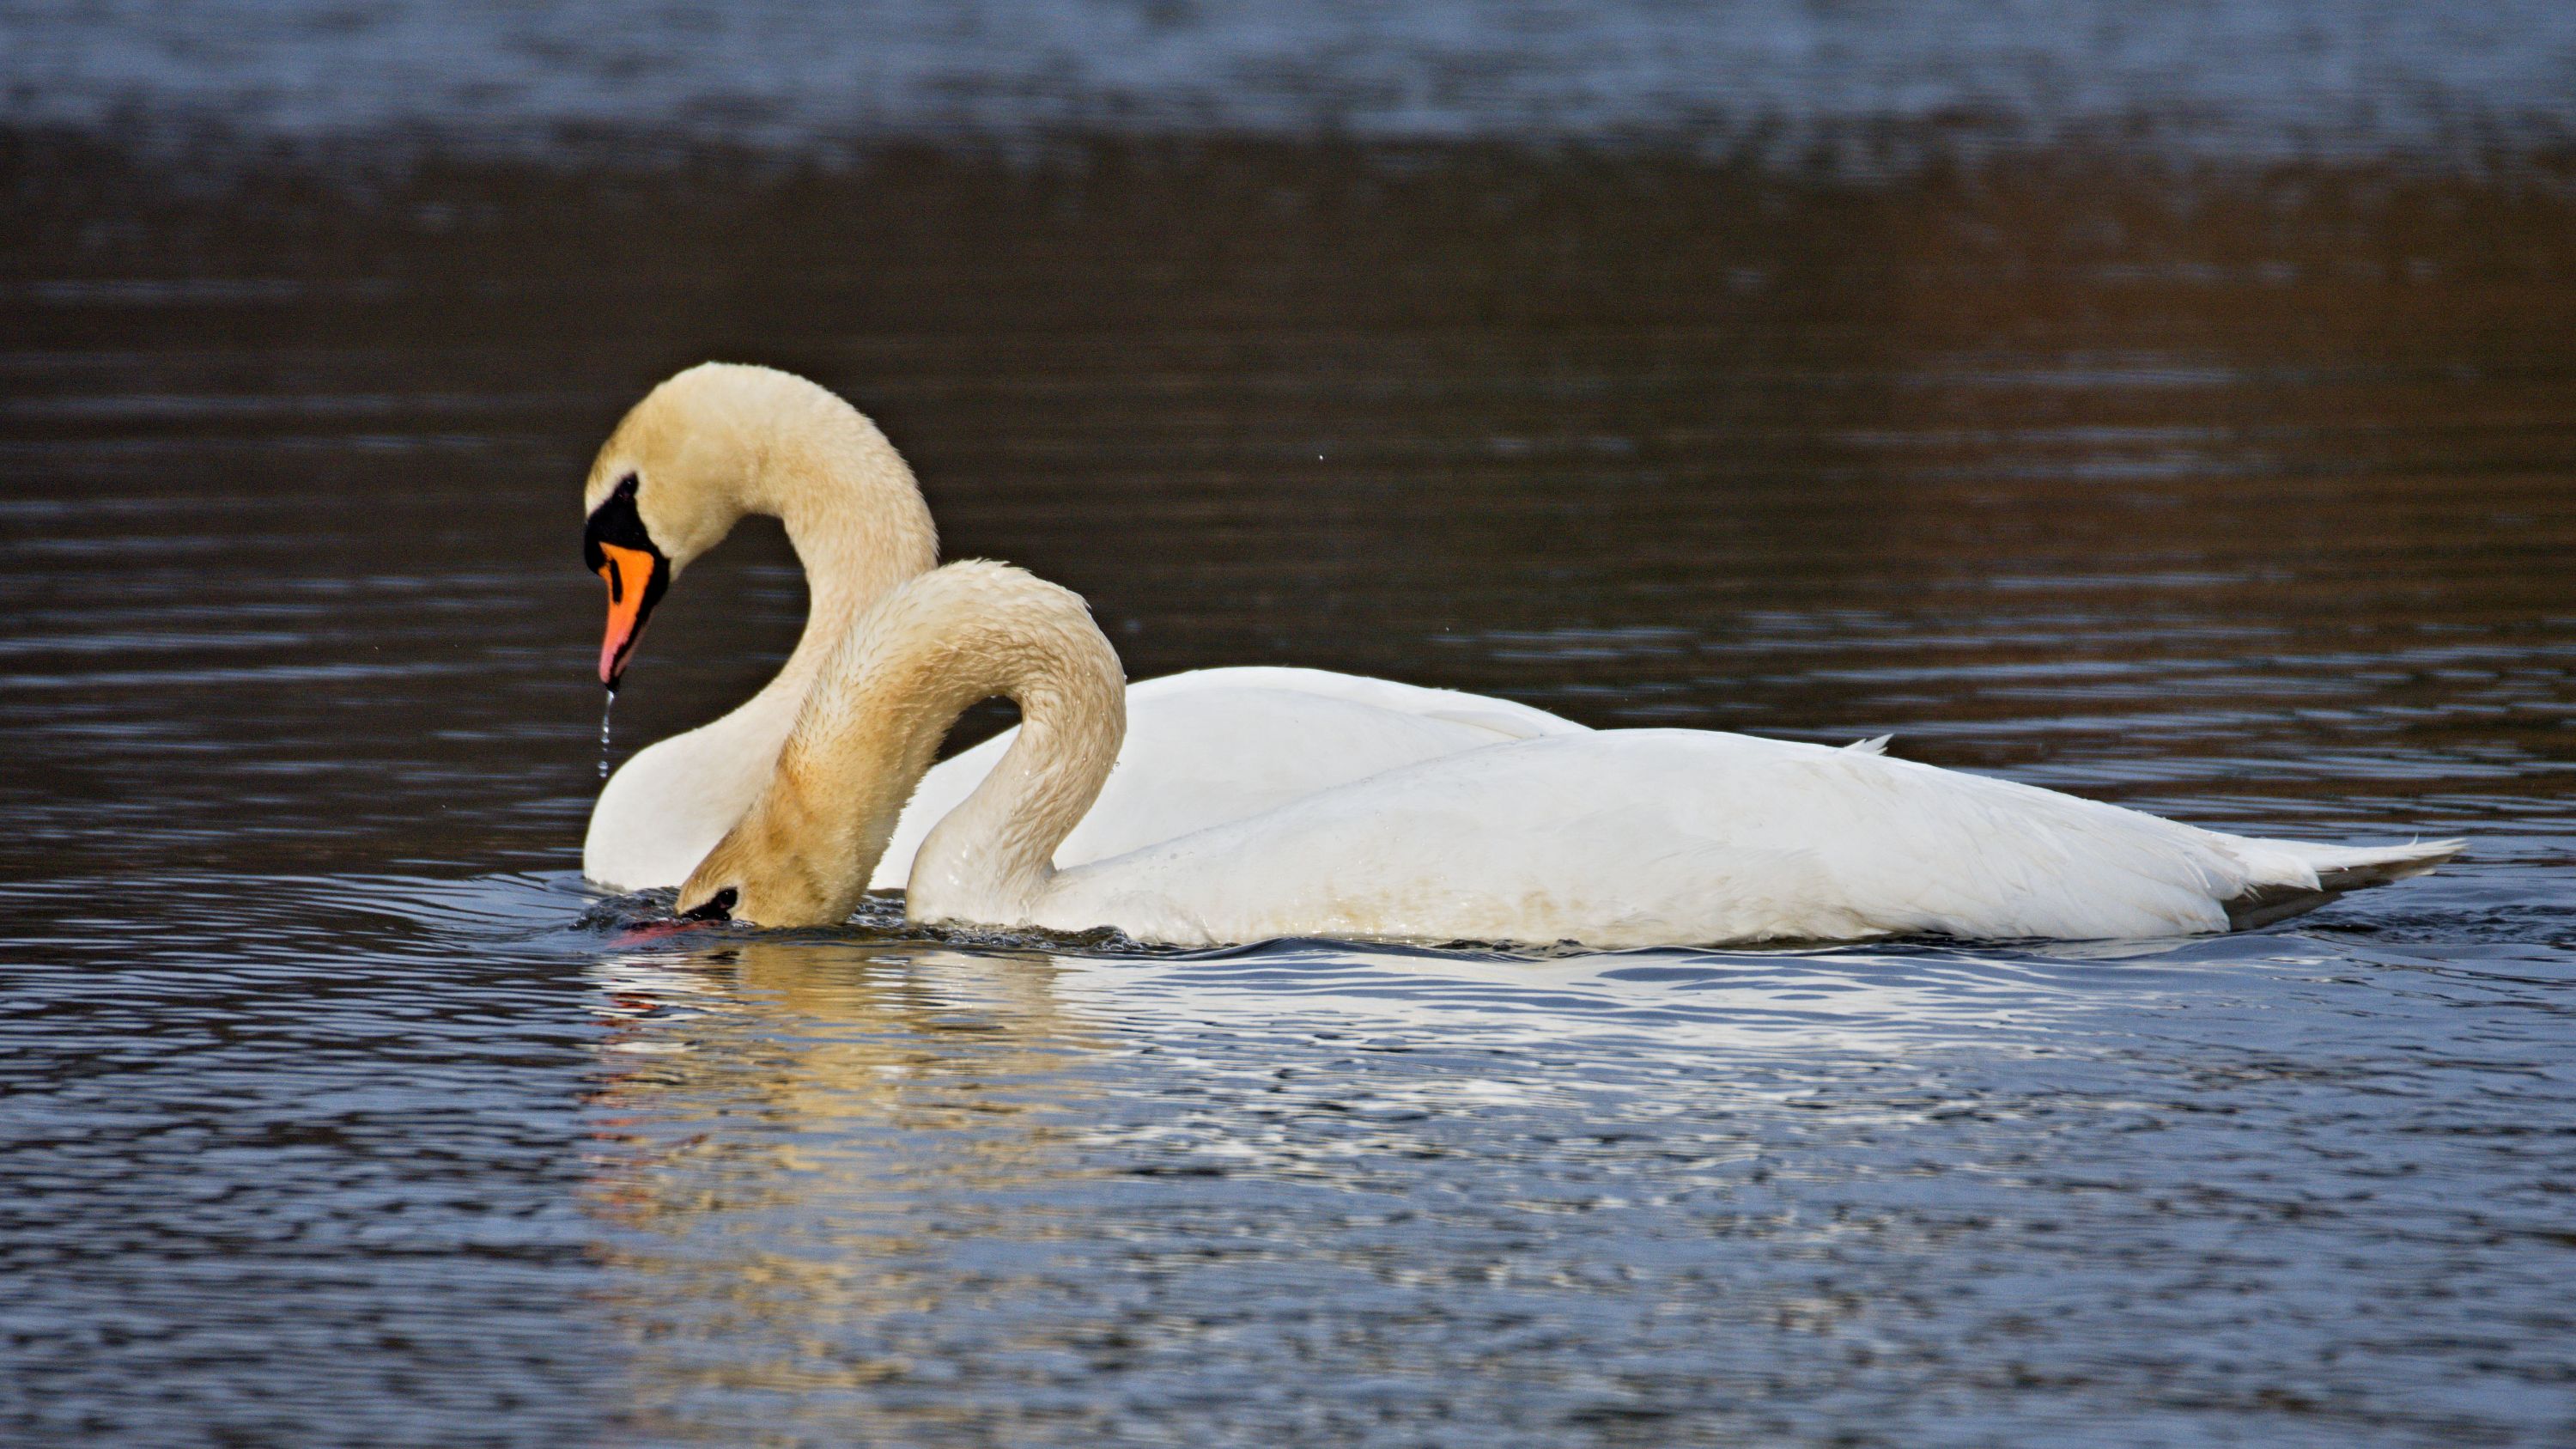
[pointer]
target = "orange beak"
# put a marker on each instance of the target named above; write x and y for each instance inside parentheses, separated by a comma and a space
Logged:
(635, 580)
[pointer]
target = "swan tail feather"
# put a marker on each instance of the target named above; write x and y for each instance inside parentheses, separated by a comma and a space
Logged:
(2339, 868)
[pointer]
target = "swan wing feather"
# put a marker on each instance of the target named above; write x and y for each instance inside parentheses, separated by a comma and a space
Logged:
(1657, 836)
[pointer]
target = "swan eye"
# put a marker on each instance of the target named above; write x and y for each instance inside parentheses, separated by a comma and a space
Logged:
(615, 521)
(718, 907)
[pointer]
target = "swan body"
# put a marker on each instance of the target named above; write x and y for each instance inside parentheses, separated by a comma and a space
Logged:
(1665, 836)
(1611, 838)
(720, 440)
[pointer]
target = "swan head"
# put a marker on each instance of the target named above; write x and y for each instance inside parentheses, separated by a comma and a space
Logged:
(723, 439)
(769, 871)
(679, 472)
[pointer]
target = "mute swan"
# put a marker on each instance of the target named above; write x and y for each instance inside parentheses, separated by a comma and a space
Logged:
(721, 440)
(1615, 838)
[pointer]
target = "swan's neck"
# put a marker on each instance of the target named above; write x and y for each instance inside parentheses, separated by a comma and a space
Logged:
(992, 858)
(872, 724)
(854, 515)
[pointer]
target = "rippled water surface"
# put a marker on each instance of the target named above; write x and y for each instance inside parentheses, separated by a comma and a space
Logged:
(334, 1108)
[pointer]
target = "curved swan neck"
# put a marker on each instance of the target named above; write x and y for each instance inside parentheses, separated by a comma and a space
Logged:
(851, 506)
(994, 855)
(872, 725)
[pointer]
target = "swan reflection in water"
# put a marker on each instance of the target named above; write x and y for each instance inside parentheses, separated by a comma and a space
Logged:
(801, 1143)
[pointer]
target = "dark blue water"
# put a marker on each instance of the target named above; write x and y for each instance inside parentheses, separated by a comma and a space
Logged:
(2228, 479)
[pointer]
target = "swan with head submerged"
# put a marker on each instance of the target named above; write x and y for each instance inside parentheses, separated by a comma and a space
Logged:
(1611, 838)
(721, 440)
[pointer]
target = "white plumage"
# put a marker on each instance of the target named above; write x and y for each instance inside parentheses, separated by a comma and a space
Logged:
(1647, 837)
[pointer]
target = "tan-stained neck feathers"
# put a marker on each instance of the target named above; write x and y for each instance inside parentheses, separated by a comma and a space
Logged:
(873, 722)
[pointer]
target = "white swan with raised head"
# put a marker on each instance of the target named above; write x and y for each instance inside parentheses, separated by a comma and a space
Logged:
(721, 440)
(1615, 838)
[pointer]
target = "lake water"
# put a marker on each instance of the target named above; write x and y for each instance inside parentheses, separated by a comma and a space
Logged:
(2236, 486)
